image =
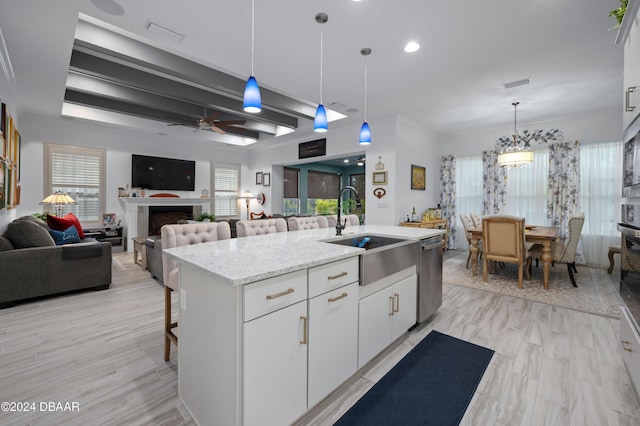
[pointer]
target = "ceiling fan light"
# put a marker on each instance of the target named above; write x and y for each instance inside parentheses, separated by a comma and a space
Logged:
(365, 134)
(252, 99)
(320, 123)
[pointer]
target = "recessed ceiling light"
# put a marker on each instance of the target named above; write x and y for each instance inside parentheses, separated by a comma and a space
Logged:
(109, 6)
(411, 47)
(346, 160)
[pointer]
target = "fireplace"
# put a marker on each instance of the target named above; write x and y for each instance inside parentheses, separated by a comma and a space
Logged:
(163, 215)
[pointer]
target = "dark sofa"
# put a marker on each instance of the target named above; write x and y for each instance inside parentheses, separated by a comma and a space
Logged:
(33, 267)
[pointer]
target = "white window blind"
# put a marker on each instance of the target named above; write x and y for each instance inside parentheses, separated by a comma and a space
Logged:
(225, 184)
(80, 173)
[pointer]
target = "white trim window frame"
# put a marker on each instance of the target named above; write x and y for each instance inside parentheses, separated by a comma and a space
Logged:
(225, 187)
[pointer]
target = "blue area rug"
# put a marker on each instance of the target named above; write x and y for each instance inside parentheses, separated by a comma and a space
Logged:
(432, 385)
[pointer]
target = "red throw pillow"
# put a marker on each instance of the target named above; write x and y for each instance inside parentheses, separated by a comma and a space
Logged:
(64, 222)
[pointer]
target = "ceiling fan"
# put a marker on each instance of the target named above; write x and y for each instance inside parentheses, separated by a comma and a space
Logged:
(211, 122)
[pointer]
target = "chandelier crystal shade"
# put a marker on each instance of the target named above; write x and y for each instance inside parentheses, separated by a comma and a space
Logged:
(252, 99)
(515, 150)
(320, 122)
(365, 131)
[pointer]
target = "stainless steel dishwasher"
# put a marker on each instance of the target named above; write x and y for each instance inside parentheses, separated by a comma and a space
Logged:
(429, 277)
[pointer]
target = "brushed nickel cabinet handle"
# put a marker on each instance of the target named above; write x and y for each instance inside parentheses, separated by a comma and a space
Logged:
(626, 342)
(340, 275)
(627, 349)
(335, 299)
(304, 331)
(391, 311)
(397, 298)
(627, 99)
(282, 293)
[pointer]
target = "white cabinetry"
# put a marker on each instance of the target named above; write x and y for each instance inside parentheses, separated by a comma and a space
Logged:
(275, 350)
(631, 74)
(630, 341)
(384, 316)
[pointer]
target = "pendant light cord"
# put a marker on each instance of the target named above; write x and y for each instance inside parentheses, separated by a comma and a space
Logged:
(253, 24)
(321, 50)
(365, 88)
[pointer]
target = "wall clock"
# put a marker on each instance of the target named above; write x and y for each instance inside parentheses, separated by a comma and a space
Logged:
(261, 198)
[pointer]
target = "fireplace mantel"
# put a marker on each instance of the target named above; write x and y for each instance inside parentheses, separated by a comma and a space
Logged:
(136, 212)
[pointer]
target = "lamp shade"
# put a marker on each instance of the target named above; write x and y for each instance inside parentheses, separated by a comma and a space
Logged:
(320, 123)
(247, 195)
(365, 134)
(252, 99)
(58, 197)
(515, 158)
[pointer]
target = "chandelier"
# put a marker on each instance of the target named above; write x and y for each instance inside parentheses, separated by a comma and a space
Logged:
(516, 150)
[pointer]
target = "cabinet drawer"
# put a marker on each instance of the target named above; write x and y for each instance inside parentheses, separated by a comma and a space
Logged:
(275, 293)
(333, 275)
(630, 344)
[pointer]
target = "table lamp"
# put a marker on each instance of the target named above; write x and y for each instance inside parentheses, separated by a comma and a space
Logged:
(247, 196)
(58, 199)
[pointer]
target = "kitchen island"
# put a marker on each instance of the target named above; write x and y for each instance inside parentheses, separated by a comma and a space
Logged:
(270, 325)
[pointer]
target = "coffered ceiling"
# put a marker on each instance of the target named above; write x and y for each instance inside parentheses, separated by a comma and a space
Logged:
(77, 58)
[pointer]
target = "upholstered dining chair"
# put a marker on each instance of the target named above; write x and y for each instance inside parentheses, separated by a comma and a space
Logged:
(351, 220)
(504, 241)
(563, 251)
(467, 223)
(177, 236)
(307, 222)
(247, 228)
(477, 220)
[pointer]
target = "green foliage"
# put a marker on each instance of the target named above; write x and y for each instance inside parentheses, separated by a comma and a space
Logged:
(325, 207)
(41, 216)
(619, 12)
(204, 216)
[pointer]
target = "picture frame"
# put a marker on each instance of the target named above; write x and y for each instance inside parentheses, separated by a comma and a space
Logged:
(3, 122)
(258, 178)
(266, 179)
(418, 177)
(109, 219)
(3, 184)
(379, 178)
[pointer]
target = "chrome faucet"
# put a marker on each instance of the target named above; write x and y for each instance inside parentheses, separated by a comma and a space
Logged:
(340, 226)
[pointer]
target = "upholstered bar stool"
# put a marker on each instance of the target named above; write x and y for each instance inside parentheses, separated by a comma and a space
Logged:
(351, 220)
(247, 228)
(178, 236)
(309, 222)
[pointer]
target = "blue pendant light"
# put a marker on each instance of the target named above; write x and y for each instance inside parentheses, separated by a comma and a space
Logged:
(252, 100)
(320, 123)
(365, 131)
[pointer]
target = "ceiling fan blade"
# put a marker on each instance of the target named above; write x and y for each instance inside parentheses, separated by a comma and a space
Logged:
(209, 119)
(218, 130)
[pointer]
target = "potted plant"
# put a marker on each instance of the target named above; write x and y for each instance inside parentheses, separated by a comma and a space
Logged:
(206, 217)
(619, 12)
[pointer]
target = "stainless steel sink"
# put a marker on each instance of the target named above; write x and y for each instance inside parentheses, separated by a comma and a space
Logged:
(383, 256)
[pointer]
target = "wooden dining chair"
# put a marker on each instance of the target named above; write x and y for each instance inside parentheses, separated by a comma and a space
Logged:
(504, 241)
(563, 251)
(467, 223)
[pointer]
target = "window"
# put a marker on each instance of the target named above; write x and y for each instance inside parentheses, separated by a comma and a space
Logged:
(79, 172)
(225, 184)
(469, 185)
(527, 189)
(291, 198)
(323, 190)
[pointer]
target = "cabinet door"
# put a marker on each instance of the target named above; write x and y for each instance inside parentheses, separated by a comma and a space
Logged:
(275, 367)
(333, 340)
(631, 75)
(630, 347)
(375, 324)
(405, 306)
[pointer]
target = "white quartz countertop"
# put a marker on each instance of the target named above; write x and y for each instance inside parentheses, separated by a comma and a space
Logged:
(239, 261)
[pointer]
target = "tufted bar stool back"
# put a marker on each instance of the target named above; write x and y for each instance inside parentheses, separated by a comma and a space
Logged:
(178, 236)
(352, 220)
(308, 222)
(247, 228)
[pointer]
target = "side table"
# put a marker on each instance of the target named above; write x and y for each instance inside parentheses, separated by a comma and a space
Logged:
(139, 247)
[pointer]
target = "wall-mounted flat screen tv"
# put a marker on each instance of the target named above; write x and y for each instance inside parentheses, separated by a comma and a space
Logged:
(162, 173)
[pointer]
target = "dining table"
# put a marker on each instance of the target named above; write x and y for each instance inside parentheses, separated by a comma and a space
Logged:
(543, 235)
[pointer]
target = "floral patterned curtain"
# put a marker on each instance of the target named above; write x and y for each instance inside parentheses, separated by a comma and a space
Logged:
(563, 194)
(448, 196)
(494, 184)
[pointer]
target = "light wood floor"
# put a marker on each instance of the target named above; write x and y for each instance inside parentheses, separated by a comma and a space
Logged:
(103, 350)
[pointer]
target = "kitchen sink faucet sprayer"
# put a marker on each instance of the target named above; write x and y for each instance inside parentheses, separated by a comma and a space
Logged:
(339, 225)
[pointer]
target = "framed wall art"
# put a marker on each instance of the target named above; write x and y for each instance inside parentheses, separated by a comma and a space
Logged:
(418, 177)
(258, 178)
(380, 178)
(266, 179)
